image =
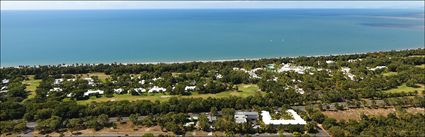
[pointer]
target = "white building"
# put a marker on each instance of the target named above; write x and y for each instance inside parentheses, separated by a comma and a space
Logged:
(297, 120)
(240, 119)
(157, 89)
(4, 88)
(218, 76)
(289, 67)
(251, 73)
(247, 116)
(90, 81)
(139, 90)
(5, 81)
(69, 95)
(330, 62)
(72, 79)
(346, 71)
(142, 81)
(58, 81)
(377, 67)
(118, 90)
(189, 88)
(155, 79)
(92, 92)
(299, 90)
(55, 90)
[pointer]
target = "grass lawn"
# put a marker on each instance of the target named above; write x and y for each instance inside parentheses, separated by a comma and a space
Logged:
(404, 88)
(246, 90)
(389, 73)
(31, 85)
(420, 66)
(102, 76)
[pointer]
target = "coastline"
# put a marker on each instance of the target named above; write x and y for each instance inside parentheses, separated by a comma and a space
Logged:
(202, 61)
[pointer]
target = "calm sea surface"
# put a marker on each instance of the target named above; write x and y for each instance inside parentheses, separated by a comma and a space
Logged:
(106, 36)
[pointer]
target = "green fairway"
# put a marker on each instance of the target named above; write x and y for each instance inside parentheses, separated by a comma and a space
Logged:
(404, 88)
(246, 90)
(31, 85)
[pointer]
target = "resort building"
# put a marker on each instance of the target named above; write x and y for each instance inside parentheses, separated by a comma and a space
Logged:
(297, 120)
(3, 89)
(140, 90)
(330, 62)
(290, 67)
(118, 90)
(157, 89)
(90, 81)
(55, 90)
(346, 71)
(189, 88)
(142, 81)
(377, 67)
(58, 81)
(93, 92)
(251, 73)
(5, 81)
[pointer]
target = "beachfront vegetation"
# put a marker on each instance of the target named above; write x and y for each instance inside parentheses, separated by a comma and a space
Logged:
(57, 97)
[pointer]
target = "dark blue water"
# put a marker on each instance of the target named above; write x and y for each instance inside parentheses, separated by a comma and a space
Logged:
(106, 36)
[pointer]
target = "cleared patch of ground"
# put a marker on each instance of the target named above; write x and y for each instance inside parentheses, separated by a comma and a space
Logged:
(127, 129)
(356, 113)
(245, 91)
(404, 88)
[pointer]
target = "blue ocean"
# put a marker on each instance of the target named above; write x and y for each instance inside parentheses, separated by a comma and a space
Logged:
(139, 36)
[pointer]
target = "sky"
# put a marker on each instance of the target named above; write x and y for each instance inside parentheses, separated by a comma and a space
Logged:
(96, 5)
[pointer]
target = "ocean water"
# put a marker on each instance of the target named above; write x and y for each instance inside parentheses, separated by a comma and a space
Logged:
(137, 36)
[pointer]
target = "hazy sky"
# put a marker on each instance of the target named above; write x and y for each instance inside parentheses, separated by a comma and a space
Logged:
(77, 5)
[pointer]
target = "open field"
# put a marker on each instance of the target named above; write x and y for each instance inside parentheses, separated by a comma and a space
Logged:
(404, 88)
(31, 85)
(246, 90)
(100, 75)
(356, 113)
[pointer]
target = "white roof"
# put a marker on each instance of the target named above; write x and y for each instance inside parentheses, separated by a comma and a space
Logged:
(189, 88)
(240, 118)
(56, 89)
(93, 91)
(69, 95)
(346, 71)
(377, 67)
(157, 89)
(118, 90)
(267, 119)
(330, 61)
(5, 81)
(58, 81)
(142, 82)
(297, 69)
(88, 79)
(139, 89)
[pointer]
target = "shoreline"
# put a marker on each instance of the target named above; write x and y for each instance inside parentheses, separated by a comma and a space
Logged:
(202, 61)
